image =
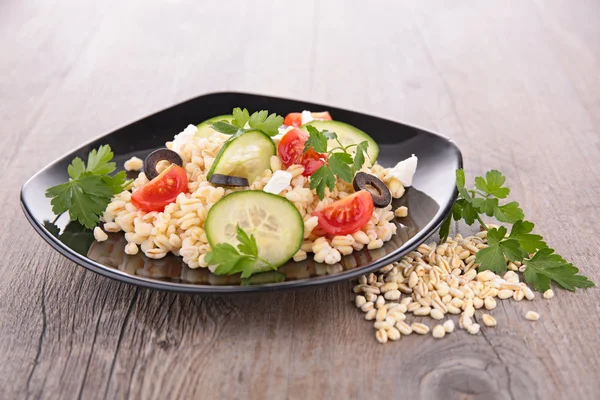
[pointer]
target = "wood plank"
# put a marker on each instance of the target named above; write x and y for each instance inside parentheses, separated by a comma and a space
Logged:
(497, 79)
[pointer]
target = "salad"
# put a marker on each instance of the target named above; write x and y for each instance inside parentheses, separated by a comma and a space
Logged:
(244, 193)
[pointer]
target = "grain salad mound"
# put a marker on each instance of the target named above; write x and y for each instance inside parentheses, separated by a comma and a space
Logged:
(180, 227)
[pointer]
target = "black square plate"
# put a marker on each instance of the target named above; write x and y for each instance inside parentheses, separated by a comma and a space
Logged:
(429, 200)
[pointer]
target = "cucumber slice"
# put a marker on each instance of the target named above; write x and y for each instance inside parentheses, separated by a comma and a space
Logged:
(204, 129)
(273, 220)
(347, 134)
(247, 155)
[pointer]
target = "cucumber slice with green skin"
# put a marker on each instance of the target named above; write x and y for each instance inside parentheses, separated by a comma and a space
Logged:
(247, 155)
(347, 134)
(204, 128)
(273, 220)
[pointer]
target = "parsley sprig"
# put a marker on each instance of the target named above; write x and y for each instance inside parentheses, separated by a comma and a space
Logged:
(260, 120)
(89, 189)
(231, 260)
(543, 265)
(338, 160)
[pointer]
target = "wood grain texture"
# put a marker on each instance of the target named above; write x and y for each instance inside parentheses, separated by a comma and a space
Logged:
(514, 83)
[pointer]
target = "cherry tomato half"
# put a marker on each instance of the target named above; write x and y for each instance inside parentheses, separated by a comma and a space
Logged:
(348, 215)
(291, 151)
(162, 190)
(295, 119)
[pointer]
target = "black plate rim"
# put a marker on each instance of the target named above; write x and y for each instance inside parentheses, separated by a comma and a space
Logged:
(155, 284)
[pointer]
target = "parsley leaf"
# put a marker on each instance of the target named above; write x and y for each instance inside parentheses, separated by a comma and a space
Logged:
(99, 161)
(493, 257)
(85, 199)
(230, 260)
(322, 178)
(247, 243)
(331, 135)
(89, 190)
(269, 124)
(339, 161)
(460, 184)
(445, 227)
(469, 213)
(472, 204)
(545, 266)
(521, 232)
(485, 206)
(117, 183)
(220, 253)
(359, 156)
(510, 213)
(260, 120)
(76, 168)
(225, 127)
(257, 117)
(339, 165)
(240, 117)
(246, 267)
(457, 209)
(493, 184)
(464, 210)
(227, 267)
(317, 140)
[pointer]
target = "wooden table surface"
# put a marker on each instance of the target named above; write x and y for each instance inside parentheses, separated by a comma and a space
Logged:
(515, 83)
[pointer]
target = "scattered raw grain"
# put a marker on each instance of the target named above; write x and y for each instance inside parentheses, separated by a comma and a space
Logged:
(436, 314)
(548, 294)
(448, 326)
(381, 336)
(393, 334)
(438, 332)
(368, 306)
(381, 314)
(488, 320)
(532, 316)
(380, 302)
(360, 301)
(473, 329)
(489, 303)
(370, 315)
(419, 328)
(383, 325)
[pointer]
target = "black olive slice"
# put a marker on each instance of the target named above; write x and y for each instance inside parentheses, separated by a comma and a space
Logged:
(379, 192)
(159, 155)
(228, 180)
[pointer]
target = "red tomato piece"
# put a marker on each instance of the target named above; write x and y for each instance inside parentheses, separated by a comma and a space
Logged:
(295, 119)
(291, 151)
(348, 215)
(162, 190)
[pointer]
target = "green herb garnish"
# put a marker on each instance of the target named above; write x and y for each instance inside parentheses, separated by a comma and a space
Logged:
(260, 120)
(89, 189)
(231, 260)
(338, 161)
(543, 265)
